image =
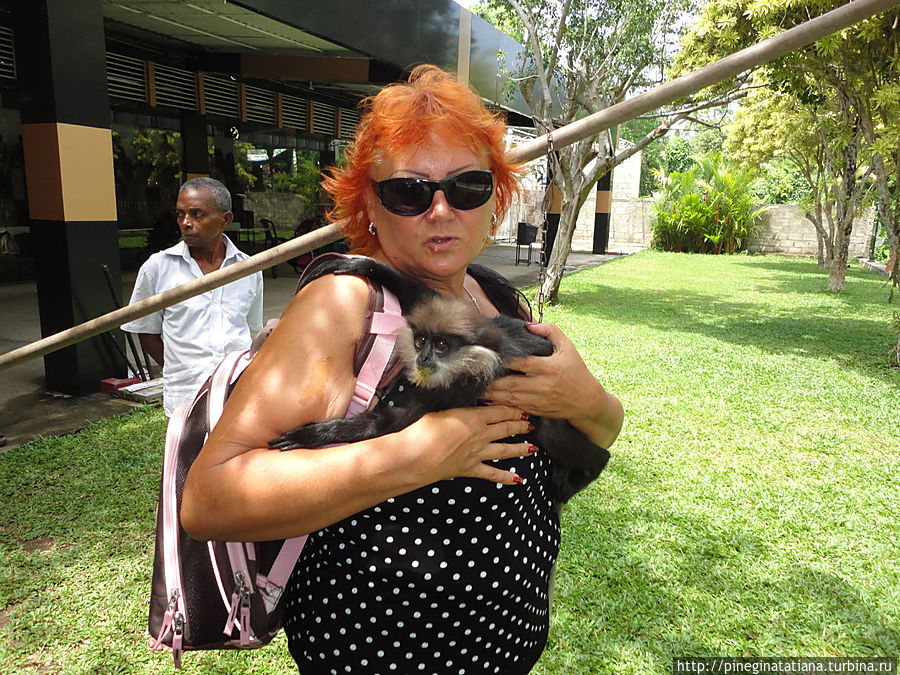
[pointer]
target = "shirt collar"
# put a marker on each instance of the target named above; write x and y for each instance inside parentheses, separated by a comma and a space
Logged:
(181, 250)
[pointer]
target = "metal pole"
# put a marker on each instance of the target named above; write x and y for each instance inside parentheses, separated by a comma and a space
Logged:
(729, 66)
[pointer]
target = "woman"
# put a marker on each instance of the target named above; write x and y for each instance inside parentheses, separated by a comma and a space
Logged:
(406, 569)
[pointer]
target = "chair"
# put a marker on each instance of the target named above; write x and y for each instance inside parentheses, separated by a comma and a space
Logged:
(526, 233)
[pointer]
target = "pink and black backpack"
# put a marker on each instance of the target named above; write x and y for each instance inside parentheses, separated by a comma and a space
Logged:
(228, 595)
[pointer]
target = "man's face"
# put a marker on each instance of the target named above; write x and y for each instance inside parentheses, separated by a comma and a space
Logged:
(201, 224)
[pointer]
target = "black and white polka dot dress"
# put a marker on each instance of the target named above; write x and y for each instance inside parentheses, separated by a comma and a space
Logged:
(450, 578)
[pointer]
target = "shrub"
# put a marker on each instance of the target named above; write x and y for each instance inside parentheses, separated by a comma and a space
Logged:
(707, 209)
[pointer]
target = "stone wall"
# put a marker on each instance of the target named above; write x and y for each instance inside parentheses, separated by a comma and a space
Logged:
(285, 209)
(784, 229)
(629, 224)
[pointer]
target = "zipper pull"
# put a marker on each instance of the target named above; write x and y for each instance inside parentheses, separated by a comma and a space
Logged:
(245, 617)
(168, 620)
(240, 600)
(177, 638)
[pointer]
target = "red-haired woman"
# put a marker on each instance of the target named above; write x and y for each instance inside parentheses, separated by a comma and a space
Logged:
(405, 569)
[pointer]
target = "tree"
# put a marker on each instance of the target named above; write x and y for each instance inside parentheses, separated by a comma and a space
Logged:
(583, 56)
(774, 124)
(846, 79)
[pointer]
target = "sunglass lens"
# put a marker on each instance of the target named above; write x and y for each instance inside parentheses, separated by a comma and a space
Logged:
(405, 196)
(470, 190)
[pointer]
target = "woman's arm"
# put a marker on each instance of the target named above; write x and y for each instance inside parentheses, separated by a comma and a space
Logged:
(239, 489)
(561, 386)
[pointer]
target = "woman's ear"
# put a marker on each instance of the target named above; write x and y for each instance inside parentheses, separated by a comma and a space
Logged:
(372, 203)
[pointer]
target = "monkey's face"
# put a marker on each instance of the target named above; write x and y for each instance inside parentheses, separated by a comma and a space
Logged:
(440, 360)
(432, 358)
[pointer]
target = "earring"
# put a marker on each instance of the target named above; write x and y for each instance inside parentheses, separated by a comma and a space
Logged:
(372, 228)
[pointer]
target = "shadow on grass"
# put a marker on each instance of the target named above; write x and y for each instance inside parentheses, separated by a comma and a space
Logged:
(810, 278)
(858, 344)
(643, 579)
(76, 536)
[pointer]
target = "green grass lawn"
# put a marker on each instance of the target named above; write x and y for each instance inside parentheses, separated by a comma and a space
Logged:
(751, 506)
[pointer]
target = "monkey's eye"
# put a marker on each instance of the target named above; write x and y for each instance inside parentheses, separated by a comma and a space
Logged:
(420, 341)
(441, 345)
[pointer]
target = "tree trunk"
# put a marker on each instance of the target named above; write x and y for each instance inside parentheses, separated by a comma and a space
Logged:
(829, 235)
(848, 196)
(562, 246)
(838, 269)
(816, 219)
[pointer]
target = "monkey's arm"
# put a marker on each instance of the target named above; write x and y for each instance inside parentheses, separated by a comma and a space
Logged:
(560, 386)
(379, 421)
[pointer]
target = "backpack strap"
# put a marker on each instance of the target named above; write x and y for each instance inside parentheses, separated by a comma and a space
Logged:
(384, 327)
(372, 359)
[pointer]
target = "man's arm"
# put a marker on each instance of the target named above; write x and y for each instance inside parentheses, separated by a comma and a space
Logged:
(152, 344)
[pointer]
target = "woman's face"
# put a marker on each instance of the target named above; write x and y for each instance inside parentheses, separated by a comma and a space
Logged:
(437, 245)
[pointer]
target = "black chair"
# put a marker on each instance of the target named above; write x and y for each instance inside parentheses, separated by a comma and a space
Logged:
(526, 234)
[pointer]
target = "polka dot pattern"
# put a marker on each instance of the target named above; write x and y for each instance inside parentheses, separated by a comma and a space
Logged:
(450, 578)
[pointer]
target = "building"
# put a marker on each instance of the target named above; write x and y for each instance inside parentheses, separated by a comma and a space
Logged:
(106, 106)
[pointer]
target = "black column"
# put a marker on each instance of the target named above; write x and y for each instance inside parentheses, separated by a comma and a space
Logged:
(64, 108)
(601, 214)
(551, 227)
(196, 151)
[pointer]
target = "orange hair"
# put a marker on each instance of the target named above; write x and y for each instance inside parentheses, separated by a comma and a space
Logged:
(401, 117)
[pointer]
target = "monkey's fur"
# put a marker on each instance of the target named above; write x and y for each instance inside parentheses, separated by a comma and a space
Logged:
(451, 352)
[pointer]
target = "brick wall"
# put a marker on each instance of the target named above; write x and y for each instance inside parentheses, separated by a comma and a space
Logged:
(629, 224)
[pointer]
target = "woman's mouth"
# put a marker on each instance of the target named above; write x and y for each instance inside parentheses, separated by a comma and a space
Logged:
(440, 243)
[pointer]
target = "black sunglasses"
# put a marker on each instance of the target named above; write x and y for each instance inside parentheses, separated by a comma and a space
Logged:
(412, 196)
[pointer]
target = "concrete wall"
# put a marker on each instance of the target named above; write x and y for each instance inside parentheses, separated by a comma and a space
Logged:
(784, 229)
(626, 180)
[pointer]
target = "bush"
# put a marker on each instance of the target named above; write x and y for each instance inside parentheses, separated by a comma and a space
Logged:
(780, 184)
(707, 209)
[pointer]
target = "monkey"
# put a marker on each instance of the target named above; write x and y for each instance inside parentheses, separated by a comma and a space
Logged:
(450, 353)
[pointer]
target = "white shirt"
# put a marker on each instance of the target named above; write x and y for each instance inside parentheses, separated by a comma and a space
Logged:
(199, 331)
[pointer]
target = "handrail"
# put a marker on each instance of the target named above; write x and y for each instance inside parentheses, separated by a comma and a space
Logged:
(724, 68)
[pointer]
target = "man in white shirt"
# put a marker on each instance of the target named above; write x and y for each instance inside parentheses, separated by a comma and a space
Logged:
(189, 339)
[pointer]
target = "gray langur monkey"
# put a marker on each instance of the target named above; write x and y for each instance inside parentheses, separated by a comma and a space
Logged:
(450, 353)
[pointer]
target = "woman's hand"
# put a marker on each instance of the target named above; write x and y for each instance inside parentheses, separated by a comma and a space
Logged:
(458, 442)
(561, 386)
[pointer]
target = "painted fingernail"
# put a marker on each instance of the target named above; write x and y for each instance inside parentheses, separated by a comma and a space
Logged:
(518, 480)
(532, 449)
(530, 427)
(524, 416)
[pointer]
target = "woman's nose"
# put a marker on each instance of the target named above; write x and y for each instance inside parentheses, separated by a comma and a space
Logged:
(439, 205)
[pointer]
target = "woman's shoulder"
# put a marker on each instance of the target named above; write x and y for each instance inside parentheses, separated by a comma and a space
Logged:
(326, 302)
